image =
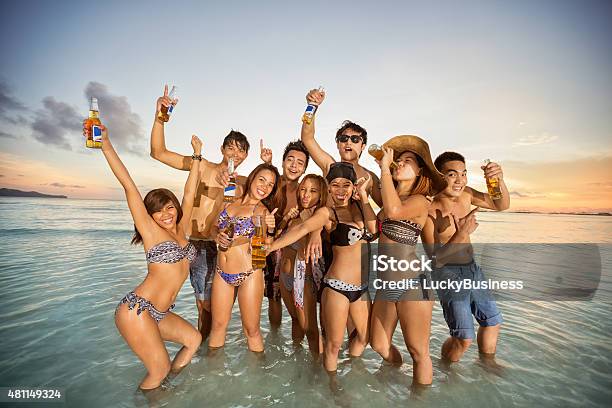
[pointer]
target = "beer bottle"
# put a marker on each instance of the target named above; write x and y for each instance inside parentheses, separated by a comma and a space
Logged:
(310, 111)
(229, 231)
(229, 193)
(258, 251)
(493, 185)
(94, 138)
(166, 111)
(377, 152)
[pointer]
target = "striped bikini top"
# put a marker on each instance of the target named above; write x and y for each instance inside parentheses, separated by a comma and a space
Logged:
(170, 252)
(402, 231)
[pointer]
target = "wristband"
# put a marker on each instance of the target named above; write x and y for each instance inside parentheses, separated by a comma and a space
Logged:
(271, 233)
(196, 157)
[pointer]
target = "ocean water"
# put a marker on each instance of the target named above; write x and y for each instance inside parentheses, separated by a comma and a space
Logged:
(64, 265)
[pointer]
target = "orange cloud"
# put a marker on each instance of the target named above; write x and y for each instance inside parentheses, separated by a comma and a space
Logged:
(579, 185)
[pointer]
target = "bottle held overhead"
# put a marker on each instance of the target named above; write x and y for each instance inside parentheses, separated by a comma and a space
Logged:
(376, 151)
(92, 123)
(493, 184)
(165, 111)
(311, 109)
(229, 193)
(258, 251)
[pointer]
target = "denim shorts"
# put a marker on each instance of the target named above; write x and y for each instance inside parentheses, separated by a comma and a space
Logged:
(460, 306)
(202, 269)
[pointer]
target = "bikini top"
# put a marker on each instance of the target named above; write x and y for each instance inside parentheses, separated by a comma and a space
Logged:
(346, 234)
(170, 252)
(243, 226)
(402, 231)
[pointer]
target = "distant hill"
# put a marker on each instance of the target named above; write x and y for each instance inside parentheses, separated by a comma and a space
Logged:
(9, 192)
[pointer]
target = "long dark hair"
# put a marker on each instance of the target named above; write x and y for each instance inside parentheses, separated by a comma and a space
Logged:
(154, 201)
(323, 193)
(272, 199)
(423, 184)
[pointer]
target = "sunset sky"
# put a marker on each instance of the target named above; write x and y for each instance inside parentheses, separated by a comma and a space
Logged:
(525, 83)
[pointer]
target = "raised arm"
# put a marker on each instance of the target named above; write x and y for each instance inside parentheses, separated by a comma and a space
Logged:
(317, 221)
(265, 153)
(375, 191)
(320, 156)
(414, 207)
(191, 185)
(142, 220)
(158, 140)
(484, 200)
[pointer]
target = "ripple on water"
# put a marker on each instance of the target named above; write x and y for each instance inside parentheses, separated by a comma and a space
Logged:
(59, 288)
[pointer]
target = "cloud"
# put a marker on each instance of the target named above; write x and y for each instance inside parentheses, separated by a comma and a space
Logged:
(526, 194)
(10, 105)
(125, 126)
(62, 185)
(56, 123)
(536, 139)
(7, 135)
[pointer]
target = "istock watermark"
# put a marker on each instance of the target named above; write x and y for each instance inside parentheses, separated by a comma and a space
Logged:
(511, 272)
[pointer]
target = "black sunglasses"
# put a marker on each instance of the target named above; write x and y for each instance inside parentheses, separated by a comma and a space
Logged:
(345, 138)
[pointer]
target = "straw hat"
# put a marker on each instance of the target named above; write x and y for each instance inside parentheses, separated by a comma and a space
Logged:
(416, 145)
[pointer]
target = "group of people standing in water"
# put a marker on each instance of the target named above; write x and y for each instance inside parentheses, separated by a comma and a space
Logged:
(315, 227)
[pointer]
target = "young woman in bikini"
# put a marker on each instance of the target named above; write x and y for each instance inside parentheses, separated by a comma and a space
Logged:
(350, 224)
(235, 275)
(143, 316)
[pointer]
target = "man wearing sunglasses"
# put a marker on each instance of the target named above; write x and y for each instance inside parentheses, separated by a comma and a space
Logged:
(351, 140)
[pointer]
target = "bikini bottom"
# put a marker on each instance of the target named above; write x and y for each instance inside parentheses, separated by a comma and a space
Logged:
(350, 291)
(234, 279)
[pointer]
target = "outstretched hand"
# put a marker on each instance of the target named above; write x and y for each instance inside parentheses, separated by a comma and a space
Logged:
(270, 220)
(222, 177)
(265, 152)
(493, 170)
(362, 185)
(87, 131)
(315, 97)
(165, 100)
(467, 224)
(196, 143)
(387, 159)
(291, 214)
(314, 249)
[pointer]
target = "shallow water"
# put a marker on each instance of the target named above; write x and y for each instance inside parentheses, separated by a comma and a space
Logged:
(64, 265)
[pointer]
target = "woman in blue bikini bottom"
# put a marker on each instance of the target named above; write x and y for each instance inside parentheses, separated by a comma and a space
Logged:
(235, 277)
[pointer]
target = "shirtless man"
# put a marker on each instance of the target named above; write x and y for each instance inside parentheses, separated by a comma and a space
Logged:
(446, 234)
(207, 205)
(351, 141)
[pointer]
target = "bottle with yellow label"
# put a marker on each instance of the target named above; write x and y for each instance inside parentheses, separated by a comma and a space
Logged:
(311, 109)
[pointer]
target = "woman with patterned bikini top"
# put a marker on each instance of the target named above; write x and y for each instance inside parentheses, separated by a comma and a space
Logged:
(143, 316)
(405, 208)
(350, 224)
(235, 277)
